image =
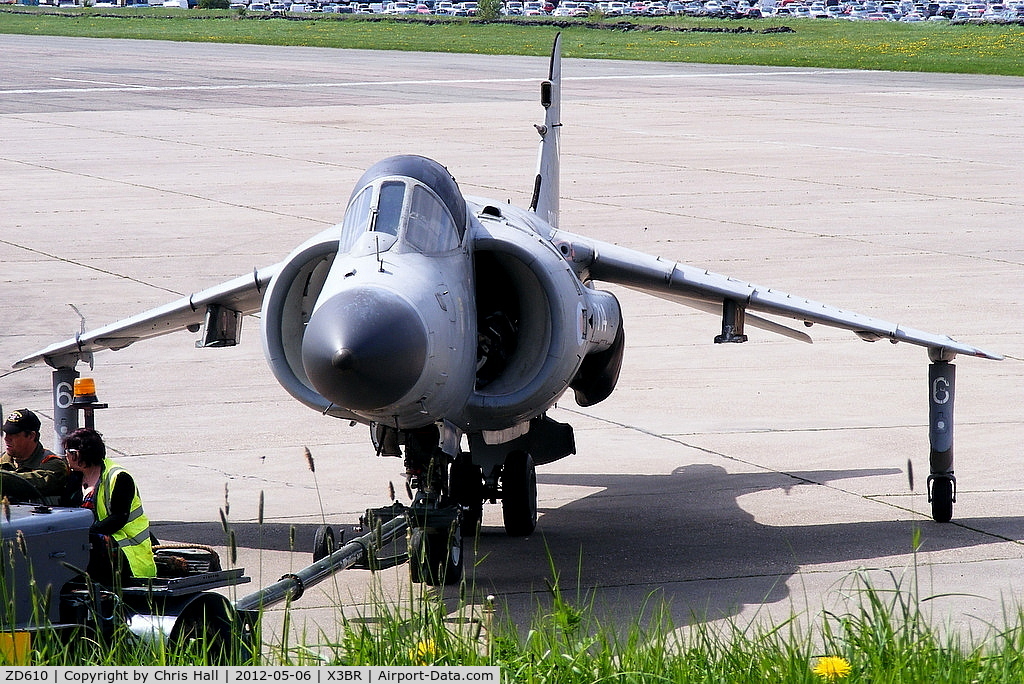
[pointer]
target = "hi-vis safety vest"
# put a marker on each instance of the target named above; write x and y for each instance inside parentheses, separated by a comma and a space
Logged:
(133, 538)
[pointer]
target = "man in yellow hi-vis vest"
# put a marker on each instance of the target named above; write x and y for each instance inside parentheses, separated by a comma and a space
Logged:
(110, 491)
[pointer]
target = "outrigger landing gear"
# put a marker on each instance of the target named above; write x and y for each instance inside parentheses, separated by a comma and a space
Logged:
(941, 482)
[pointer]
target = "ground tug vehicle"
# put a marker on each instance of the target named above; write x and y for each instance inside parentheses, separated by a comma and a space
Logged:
(44, 587)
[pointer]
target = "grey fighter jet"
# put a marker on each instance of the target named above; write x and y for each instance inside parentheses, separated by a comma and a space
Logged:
(450, 325)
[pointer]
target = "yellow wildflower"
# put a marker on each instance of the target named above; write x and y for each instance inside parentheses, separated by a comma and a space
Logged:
(426, 652)
(832, 668)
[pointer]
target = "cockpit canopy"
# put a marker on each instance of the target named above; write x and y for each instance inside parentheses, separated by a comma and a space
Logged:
(412, 199)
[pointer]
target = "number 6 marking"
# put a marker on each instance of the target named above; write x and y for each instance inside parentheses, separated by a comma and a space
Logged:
(64, 394)
(940, 391)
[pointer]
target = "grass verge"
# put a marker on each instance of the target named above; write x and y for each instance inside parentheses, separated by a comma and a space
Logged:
(884, 637)
(891, 46)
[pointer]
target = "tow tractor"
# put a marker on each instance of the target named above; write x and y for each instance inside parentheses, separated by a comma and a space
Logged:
(45, 588)
(44, 585)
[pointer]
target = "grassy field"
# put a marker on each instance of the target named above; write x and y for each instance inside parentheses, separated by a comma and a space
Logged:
(889, 46)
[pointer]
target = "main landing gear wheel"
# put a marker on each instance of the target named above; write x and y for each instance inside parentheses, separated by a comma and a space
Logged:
(942, 498)
(466, 484)
(519, 494)
(435, 558)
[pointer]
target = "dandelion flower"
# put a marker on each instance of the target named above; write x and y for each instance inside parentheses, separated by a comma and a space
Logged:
(832, 668)
(426, 652)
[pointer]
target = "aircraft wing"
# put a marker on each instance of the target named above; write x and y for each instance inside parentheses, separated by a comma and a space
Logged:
(236, 297)
(710, 292)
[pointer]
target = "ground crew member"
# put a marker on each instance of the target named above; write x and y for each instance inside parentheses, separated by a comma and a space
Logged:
(121, 545)
(29, 472)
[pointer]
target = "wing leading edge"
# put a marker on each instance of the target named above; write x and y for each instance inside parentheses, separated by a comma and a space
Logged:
(715, 293)
(240, 296)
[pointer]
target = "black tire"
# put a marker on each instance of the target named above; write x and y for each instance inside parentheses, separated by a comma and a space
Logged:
(206, 629)
(466, 484)
(942, 499)
(435, 558)
(519, 494)
(324, 542)
(418, 567)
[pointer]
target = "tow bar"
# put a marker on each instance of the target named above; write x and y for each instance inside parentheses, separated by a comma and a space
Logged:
(385, 526)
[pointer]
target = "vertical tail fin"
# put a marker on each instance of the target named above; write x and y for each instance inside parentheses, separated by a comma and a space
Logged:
(545, 184)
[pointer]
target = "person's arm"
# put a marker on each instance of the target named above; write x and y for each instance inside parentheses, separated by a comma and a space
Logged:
(122, 493)
(49, 479)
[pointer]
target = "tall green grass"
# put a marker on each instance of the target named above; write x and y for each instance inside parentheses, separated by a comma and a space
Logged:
(882, 634)
(892, 46)
(885, 637)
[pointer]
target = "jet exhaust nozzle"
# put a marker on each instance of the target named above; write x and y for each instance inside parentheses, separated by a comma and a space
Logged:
(364, 349)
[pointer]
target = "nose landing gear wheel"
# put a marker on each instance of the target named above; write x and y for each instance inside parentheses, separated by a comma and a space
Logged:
(324, 542)
(435, 558)
(519, 494)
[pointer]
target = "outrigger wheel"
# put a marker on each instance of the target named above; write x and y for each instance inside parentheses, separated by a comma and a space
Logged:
(519, 494)
(942, 496)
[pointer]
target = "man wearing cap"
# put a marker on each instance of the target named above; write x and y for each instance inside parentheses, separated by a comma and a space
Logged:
(28, 472)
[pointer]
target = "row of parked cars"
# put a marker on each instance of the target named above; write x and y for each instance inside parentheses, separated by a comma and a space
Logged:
(866, 10)
(862, 10)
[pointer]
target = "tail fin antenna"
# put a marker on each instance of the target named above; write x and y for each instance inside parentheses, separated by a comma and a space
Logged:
(545, 184)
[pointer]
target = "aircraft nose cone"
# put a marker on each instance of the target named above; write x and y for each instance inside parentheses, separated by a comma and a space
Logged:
(343, 359)
(364, 349)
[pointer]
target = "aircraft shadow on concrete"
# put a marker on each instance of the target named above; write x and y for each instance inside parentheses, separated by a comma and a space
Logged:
(682, 538)
(269, 536)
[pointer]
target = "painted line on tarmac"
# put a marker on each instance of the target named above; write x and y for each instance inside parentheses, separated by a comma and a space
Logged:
(107, 83)
(124, 87)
